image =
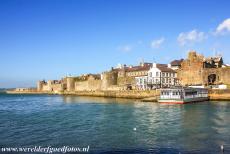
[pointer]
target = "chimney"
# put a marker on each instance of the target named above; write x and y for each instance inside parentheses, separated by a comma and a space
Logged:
(169, 65)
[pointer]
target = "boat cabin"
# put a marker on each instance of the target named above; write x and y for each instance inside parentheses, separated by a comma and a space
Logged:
(183, 94)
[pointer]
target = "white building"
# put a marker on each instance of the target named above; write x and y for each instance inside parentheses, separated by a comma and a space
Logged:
(141, 82)
(159, 75)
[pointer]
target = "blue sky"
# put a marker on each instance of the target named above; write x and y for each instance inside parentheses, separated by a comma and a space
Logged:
(48, 39)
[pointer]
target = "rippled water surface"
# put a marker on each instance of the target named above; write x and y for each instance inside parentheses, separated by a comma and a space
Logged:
(108, 125)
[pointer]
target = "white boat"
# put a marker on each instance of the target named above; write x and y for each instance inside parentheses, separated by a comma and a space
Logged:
(181, 95)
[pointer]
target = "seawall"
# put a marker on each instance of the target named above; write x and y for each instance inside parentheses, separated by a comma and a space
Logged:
(133, 94)
(217, 94)
(28, 92)
(147, 95)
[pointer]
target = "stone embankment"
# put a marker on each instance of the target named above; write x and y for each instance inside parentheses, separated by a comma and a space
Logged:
(147, 95)
(133, 94)
(219, 95)
(27, 92)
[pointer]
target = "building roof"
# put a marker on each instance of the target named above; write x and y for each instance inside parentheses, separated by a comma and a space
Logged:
(141, 67)
(164, 68)
(144, 67)
(176, 62)
(215, 59)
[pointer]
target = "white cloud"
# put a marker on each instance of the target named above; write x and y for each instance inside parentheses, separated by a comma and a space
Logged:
(224, 27)
(125, 48)
(157, 43)
(190, 37)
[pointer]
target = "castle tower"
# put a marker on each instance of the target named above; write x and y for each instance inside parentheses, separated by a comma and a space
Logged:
(49, 83)
(70, 84)
(39, 86)
(108, 79)
(192, 55)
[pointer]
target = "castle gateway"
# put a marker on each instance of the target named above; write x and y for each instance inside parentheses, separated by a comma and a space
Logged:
(198, 70)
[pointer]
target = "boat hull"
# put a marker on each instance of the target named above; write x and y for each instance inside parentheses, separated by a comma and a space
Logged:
(182, 101)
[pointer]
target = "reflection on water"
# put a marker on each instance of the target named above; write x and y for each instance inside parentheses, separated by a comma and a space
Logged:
(88, 99)
(107, 124)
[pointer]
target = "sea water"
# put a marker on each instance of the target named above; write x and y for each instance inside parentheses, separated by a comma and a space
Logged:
(109, 125)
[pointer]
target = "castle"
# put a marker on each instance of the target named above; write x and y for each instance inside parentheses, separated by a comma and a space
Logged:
(198, 70)
(195, 70)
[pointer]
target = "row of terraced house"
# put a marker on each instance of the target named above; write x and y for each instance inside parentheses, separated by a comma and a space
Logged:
(151, 75)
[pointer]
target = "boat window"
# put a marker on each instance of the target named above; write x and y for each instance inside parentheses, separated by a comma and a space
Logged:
(191, 93)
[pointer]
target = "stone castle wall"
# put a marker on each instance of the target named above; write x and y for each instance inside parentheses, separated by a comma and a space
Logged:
(225, 75)
(89, 85)
(126, 80)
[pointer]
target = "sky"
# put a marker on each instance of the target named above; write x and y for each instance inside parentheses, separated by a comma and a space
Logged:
(49, 39)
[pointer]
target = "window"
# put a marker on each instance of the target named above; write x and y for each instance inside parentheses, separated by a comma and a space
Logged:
(150, 74)
(163, 74)
(157, 73)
